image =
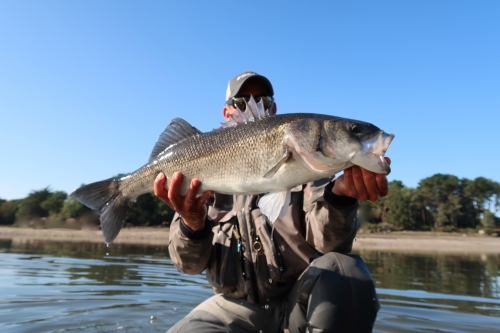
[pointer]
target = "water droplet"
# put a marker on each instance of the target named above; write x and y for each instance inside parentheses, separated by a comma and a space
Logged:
(266, 306)
(270, 280)
(174, 308)
(260, 331)
(119, 328)
(153, 317)
(374, 299)
(107, 253)
(107, 244)
(91, 289)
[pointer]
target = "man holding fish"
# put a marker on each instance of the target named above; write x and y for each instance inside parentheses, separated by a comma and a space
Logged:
(288, 273)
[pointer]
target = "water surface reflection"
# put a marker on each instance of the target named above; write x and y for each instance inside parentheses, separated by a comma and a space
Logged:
(69, 287)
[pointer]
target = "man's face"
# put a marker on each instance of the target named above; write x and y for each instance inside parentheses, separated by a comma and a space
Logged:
(250, 88)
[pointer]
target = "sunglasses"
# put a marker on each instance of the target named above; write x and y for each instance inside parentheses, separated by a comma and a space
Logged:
(239, 102)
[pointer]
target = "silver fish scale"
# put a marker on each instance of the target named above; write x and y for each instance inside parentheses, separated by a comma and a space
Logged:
(230, 160)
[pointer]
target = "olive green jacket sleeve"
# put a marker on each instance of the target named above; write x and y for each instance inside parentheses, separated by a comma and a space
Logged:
(331, 220)
(190, 251)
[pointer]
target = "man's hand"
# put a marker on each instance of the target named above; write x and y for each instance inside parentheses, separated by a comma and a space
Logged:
(190, 207)
(361, 184)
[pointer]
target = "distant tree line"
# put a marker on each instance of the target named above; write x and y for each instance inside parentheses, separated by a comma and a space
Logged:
(440, 202)
(46, 207)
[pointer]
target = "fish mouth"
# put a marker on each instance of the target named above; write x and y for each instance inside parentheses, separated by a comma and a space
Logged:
(379, 144)
(372, 156)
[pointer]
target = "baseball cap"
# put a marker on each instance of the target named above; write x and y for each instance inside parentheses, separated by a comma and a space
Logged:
(237, 82)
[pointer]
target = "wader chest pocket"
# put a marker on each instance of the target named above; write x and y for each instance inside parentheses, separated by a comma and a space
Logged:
(272, 252)
(225, 257)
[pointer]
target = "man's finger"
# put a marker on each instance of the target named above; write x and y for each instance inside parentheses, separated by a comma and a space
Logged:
(357, 176)
(371, 185)
(203, 199)
(174, 192)
(382, 184)
(159, 186)
(349, 188)
(159, 189)
(190, 199)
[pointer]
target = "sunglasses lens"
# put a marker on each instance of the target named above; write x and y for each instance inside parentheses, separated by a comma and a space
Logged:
(267, 101)
(240, 104)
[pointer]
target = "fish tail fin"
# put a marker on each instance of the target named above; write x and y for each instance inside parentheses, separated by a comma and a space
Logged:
(106, 198)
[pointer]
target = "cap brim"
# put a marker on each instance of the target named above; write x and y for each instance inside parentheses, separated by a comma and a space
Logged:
(262, 80)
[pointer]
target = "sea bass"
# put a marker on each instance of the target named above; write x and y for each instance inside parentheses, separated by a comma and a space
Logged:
(253, 153)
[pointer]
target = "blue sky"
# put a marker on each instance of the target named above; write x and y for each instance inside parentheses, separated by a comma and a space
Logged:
(86, 87)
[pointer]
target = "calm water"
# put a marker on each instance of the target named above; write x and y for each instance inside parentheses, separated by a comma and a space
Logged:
(72, 287)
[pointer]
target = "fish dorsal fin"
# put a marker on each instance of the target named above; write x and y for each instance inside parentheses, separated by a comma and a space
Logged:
(253, 111)
(275, 204)
(176, 131)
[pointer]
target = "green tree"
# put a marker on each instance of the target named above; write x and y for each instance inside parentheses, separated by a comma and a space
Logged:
(440, 201)
(488, 222)
(369, 212)
(54, 203)
(149, 210)
(469, 215)
(482, 192)
(30, 207)
(423, 218)
(73, 209)
(8, 211)
(437, 191)
(402, 211)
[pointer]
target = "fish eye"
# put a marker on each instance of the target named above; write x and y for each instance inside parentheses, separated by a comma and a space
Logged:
(355, 129)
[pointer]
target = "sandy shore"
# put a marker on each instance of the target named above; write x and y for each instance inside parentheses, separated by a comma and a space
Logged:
(398, 242)
(428, 243)
(153, 236)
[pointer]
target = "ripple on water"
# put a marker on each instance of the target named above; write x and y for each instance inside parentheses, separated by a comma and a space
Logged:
(76, 287)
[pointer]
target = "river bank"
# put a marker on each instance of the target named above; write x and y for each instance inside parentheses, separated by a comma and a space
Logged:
(414, 242)
(152, 236)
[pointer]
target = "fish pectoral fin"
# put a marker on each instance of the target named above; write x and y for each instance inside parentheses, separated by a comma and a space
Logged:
(274, 169)
(275, 204)
(177, 131)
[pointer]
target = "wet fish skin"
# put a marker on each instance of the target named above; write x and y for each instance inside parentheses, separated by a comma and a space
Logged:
(297, 148)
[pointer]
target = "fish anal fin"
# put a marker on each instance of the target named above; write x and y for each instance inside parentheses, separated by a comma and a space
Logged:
(274, 205)
(286, 156)
(177, 131)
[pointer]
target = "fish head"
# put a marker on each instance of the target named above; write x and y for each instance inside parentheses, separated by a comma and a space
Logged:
(363, 143)
(329, 145)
